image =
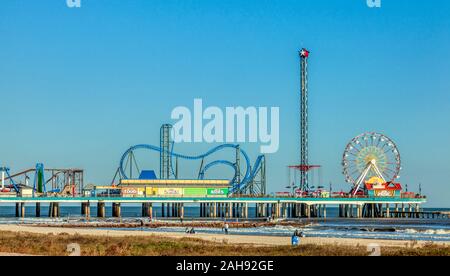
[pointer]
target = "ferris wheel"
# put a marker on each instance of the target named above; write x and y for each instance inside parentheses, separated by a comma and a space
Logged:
(371, 156)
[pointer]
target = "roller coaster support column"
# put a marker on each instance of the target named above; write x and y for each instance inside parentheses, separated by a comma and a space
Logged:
(165, 156)
(3, 179)
(238, 167)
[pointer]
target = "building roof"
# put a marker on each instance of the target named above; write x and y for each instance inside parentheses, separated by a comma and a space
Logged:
(146, 175)
(386, 186)
(175, 182)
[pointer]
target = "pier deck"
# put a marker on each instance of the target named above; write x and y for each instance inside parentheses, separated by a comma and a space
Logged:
(231, 207)
(309, 201)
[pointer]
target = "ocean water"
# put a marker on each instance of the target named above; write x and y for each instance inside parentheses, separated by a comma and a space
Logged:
(437, 230)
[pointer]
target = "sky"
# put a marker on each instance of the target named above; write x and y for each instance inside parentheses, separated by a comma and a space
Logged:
(79, 86)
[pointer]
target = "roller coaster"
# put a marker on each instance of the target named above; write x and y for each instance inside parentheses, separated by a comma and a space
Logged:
(251, 182)
(64, 182)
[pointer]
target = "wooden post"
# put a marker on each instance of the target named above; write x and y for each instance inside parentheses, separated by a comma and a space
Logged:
(38, 209)
(116, 210)
(17, 210)
(87, 211)
(54, 210)
(101, 210)
(22, 209)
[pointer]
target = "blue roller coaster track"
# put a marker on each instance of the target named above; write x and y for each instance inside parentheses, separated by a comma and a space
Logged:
(249, 175)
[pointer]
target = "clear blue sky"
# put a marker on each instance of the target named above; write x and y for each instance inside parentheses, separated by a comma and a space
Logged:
(79, 86)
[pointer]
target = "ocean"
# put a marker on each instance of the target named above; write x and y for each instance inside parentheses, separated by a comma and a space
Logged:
(433, 230)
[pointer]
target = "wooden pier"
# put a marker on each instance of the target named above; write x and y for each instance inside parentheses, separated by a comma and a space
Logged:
(236, 207)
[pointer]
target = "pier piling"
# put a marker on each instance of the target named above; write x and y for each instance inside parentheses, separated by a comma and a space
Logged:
(38, 209)
(101, 210)
(22, 209)
(17, 210)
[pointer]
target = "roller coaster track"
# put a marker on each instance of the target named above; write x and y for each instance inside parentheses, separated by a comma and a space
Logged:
(246, 180)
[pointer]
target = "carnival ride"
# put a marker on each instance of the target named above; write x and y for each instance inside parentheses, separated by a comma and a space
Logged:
(370, 158)
(250, 181)
(238, 185)
(62, 182)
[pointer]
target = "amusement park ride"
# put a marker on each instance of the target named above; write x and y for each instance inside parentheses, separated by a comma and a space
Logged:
(63, 182)
(371, 161)
(248, 181)
(371, 164)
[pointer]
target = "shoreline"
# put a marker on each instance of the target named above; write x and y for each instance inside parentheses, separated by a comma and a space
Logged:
(255, 240)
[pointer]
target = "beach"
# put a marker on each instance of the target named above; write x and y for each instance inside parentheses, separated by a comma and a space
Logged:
(218, 238)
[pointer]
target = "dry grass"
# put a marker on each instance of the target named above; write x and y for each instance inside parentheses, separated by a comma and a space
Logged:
(56, 245)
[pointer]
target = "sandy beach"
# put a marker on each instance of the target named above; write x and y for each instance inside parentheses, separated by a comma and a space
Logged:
(219, 238)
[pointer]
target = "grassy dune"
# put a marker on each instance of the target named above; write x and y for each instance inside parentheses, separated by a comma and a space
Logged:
(56, 245)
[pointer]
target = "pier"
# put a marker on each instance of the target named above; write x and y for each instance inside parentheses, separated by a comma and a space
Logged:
(234, 207)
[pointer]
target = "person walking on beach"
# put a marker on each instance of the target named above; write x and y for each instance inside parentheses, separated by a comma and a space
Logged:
(225, 228)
